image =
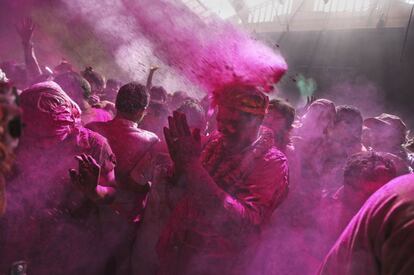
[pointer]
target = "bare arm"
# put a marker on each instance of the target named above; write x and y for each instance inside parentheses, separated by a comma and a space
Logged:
(98, 188)
(150, 76)
(25, 30)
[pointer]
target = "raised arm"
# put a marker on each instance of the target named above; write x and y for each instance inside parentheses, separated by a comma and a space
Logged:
(150, 76)
(25, 30)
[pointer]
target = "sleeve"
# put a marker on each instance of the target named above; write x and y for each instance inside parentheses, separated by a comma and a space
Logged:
(265, 188)
(102, 153)
(396, 250)
(2, 195)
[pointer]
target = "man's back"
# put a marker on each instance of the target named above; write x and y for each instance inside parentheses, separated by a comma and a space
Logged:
(380, 238)
(128, 142)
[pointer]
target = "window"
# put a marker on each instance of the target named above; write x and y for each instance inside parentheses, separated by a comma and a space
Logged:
(342, 5)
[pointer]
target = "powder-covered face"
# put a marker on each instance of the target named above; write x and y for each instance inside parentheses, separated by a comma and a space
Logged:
(234, 125)
(275, 121)
(346, 131)
(317, 120)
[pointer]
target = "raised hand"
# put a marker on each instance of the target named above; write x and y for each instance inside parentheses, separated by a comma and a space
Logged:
(153, 69)
(310, 100)
(88, 176)
(184, 146)
(25, 29)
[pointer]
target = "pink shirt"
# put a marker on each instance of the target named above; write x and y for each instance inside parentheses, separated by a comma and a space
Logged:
(132, 147)
(380, 238)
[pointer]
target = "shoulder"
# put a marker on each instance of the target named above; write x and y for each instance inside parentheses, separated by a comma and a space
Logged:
(147, 136)
(274, 155)
(91, 139)
(95, 126)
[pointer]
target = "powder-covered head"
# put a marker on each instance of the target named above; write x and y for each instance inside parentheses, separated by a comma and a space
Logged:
(75, 86)
(387, 128)
(48, 111)
(95, 79)
(318, 119)
(243, 97)
(368, 171)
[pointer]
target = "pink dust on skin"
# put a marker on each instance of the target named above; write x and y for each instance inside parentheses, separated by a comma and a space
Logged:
(209, 54)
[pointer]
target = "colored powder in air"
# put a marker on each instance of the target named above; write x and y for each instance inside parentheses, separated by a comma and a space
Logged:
(306, 86)
(208, 53)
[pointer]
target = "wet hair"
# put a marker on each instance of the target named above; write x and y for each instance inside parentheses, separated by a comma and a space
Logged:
(368, 166)
(195, 114)
(77, 87)
(283, 107)
(158, 93)
(95, 79)
(131, 98)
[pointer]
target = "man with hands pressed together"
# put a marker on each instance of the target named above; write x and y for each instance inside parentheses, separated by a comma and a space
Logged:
(233, 186)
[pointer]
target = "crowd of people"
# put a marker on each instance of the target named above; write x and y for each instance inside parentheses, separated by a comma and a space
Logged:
(103, 177)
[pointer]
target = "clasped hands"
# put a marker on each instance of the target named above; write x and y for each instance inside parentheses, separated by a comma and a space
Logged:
(183, 144)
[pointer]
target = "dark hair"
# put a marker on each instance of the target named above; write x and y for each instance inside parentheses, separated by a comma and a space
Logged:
(350, 114)
(177, 98)
(283, 107)
(95, 79)
(74, 85)
(131, 98)
(158, 109)
(363, 167)
(158, 93)
(194, 112)
(352, 117)
(113, 83)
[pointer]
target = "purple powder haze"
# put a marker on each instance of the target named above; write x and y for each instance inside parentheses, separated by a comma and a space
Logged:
(195, 54)
(209, 53)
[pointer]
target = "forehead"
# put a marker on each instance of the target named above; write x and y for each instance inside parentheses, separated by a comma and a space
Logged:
(228, 113)
(275, 113)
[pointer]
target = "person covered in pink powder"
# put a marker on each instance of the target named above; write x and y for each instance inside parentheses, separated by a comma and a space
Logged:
(135, 150)
(53, 217)
(364, 173)
(280, 120)
(380, 237)
(233, 187)
(79, 89)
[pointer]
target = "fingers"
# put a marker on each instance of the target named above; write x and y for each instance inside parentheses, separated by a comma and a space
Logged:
(168, 137)
(197, 135)
(74, 176)
(184, 125)
(79, 158)
(92, 161)
(86, 162)
(170, 141)
(172, 126)
(181, 124)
